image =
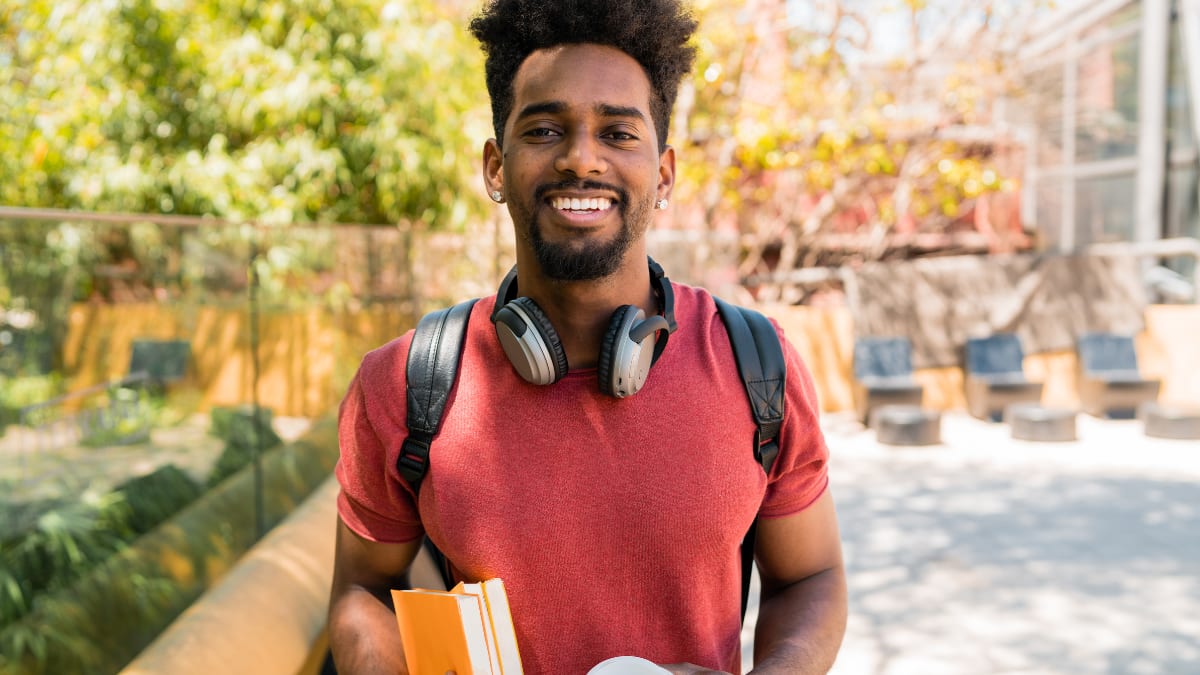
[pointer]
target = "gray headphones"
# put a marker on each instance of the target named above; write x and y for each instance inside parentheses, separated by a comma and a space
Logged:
(535, 351)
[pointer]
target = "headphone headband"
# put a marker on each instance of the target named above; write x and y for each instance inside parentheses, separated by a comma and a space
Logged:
(666, 302)
(508, 291)
(535, 350)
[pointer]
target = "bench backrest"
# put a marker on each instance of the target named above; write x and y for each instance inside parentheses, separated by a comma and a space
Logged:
(1107, 353)
(877, 357)
(998, 354)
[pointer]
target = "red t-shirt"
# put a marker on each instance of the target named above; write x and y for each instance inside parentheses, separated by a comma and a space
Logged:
(615, 523)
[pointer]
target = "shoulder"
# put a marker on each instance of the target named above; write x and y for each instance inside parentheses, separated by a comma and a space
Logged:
(386, 364)
(697, 307)
(689, 297)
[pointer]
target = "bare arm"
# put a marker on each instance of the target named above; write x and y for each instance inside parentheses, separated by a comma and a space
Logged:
(362, 624)
(802, 613)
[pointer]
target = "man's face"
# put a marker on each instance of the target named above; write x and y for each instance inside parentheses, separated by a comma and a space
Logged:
(580, 166)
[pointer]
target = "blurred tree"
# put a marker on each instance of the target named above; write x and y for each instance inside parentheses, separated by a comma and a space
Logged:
(806, 125)
(273, 111)
(819, 130)
(279, 111)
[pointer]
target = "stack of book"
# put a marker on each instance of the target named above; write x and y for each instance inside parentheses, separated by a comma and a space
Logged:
(468, 630)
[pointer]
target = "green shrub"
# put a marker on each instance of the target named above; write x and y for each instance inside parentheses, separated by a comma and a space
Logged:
(103, 620)
(8, 417)
(126, 420)
(18, 392)
(235, 425)
(25, 352)
(56, 547)
(232, 459)
(51, 549)
(156, 496)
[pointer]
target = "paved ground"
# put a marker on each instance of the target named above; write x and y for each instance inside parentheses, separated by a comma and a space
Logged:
(982, 555)
(37, 465)
(988, 555)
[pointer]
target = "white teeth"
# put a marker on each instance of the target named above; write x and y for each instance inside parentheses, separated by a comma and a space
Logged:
(570, 204)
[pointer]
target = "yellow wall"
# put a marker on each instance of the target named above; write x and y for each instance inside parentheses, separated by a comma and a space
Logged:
(307, 357)
(824, 337)
(1168, 349)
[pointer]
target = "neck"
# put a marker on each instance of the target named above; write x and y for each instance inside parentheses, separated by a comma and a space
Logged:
(581, 310)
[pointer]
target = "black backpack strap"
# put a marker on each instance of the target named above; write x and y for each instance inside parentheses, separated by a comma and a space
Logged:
(759, 355)
(431, 370)
(760, 362)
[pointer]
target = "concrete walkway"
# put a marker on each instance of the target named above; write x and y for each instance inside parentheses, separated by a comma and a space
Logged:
(988, 555)
(34, 467)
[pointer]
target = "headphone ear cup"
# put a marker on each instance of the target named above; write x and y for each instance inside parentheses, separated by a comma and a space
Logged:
(624, 364)
(530, 342)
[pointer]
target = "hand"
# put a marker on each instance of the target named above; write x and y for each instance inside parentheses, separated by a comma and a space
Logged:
(691, 669)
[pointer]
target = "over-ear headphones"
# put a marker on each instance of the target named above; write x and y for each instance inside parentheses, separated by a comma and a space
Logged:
(535, 351)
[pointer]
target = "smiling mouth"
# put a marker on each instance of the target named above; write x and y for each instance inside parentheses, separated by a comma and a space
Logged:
(581, 206)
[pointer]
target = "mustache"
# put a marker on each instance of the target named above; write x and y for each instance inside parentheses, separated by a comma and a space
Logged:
(539, 194)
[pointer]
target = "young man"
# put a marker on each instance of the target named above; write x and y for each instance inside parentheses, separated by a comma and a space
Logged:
(613, 511)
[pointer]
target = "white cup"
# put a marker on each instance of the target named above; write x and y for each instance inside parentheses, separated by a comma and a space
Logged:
(627, 665)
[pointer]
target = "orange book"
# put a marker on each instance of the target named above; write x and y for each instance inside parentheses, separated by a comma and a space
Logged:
(504, 636)
(443, 632)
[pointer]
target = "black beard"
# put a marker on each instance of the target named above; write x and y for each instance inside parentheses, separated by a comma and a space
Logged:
(594, 260)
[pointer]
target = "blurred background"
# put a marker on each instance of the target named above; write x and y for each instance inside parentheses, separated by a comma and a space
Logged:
(210, 209)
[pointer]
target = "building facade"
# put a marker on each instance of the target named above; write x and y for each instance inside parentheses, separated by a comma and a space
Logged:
(1110, 125)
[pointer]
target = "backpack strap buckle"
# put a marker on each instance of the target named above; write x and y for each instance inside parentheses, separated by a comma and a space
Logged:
(413, 461)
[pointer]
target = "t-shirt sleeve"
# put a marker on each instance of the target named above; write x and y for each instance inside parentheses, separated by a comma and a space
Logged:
(375, 501)
(800, 473)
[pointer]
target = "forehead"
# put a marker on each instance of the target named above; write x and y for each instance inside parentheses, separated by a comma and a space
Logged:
(581, 75)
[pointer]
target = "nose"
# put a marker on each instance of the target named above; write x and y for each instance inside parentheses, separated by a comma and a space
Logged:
(580, 156)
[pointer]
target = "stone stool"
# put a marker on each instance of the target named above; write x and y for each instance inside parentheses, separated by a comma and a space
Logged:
(1035, 422)
(906, 425)
(1168, 421)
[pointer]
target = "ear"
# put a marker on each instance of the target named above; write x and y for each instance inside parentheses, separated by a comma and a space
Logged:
(493, 165)
(666, 172)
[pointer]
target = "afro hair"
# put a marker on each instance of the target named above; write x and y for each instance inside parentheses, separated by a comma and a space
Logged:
(655, 33)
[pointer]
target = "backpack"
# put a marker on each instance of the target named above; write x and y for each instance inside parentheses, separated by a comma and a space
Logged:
(432, 368)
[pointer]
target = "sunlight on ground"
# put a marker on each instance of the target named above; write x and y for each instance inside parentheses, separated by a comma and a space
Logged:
(988, 555)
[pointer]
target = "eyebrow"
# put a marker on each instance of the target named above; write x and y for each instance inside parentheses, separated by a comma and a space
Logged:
(558, 107)
(620, 111)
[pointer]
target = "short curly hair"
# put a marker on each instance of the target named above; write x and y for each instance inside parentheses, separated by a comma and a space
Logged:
(656, 33)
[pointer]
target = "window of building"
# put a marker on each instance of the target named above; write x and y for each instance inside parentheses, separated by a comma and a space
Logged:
(1106, 100)
(1180, 135)
(1181, 210)
(1045, 93)
(1104, 209)
(1049, 212)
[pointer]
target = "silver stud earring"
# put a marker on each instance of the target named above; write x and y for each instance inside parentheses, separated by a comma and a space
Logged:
(661, 204)
(497, 196)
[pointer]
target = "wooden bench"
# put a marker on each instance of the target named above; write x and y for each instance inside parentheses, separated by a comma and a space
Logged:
(883, 375)
(994, 376)
(160, 361)
(1110, 384)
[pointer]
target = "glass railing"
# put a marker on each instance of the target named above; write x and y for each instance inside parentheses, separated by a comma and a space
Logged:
(168, 393)
(134, 354)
